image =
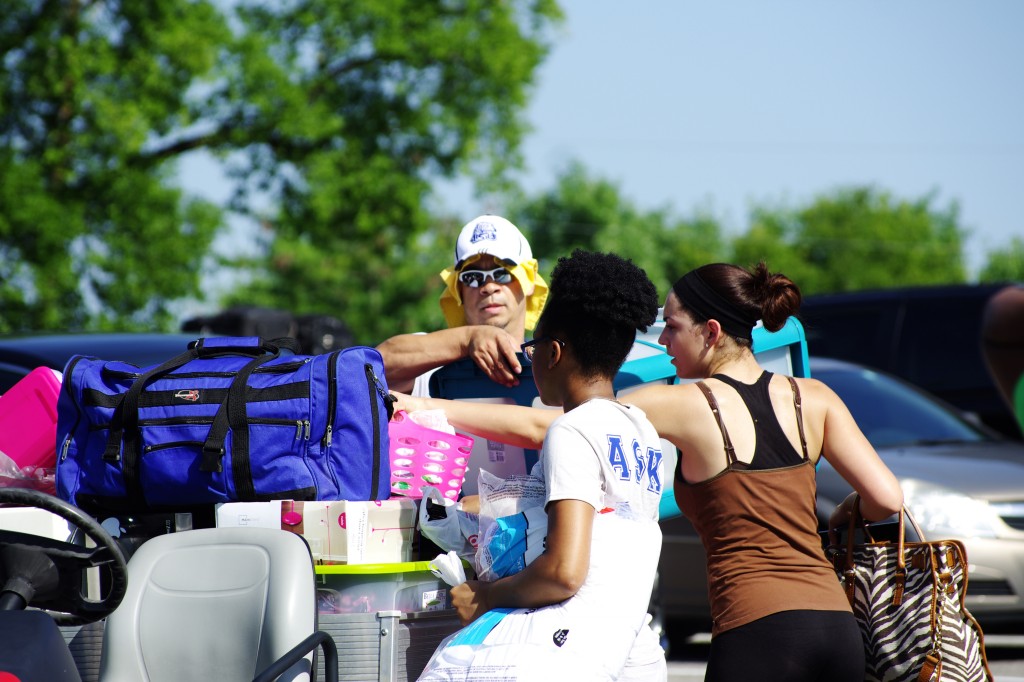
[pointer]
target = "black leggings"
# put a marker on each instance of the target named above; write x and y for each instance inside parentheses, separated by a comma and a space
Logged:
(791, 646)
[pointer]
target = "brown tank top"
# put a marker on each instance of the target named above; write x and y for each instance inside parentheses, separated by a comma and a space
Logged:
(760, 533)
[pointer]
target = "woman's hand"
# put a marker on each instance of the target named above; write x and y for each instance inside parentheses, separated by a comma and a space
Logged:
(840, 517)
(408, 403)
(470, 600)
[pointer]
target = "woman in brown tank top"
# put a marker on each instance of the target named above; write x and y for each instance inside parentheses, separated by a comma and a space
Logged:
(748, 443)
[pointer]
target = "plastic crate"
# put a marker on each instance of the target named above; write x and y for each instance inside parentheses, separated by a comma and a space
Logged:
(388, 646)
(368, 588)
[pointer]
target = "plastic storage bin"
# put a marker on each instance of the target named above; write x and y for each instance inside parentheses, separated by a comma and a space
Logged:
(368, 588)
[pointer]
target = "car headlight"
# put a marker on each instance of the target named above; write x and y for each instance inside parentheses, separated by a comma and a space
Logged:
(942, 512)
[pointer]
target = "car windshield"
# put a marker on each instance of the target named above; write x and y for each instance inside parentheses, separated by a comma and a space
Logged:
(892, 414)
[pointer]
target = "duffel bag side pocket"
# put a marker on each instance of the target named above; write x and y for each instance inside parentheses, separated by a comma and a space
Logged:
(69, 416)
(87, 400)
(358, 447)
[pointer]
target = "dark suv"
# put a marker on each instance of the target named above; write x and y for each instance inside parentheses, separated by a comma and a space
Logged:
(927, 335)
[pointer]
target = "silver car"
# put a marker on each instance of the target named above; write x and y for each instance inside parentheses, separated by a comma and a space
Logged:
(960, 480)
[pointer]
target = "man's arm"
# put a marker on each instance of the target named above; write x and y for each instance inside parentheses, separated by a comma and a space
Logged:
(407, 356)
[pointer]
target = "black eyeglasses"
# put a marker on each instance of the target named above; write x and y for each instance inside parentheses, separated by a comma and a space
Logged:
(476, 278)
(529, 347)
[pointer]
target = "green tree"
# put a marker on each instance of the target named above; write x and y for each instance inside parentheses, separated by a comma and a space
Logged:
(332, 117)
(92, 232)
(857, 238)
(1006, 265)
(357, 107)
(591, 213)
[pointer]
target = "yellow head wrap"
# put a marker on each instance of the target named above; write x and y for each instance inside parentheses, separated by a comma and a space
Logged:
(497, 237)
(527, 274)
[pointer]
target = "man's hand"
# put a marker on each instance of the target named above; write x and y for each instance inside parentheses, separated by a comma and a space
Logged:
(494, 351)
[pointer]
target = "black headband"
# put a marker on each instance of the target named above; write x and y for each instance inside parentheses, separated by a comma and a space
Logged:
(693, 292)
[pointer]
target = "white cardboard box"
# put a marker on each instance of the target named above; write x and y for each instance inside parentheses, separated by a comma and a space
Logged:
(338, 532)
(371, 532)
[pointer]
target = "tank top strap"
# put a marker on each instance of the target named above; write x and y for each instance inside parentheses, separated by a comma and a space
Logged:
(730, 451)
(762, 384)
(798, 406)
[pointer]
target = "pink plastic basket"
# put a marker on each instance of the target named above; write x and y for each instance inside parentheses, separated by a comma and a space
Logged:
(426, 457)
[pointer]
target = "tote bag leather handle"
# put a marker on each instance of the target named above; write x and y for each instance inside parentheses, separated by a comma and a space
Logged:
(857, 521)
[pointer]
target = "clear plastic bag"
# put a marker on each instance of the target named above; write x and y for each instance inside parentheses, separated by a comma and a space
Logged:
(513, 524)
(36, 478)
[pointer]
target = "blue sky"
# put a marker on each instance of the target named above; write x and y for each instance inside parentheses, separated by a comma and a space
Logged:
(714, 105)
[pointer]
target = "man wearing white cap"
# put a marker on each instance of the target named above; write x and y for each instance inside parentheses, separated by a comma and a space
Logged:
(493, 294)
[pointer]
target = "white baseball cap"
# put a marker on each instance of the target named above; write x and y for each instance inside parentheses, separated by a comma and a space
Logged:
(494, 236)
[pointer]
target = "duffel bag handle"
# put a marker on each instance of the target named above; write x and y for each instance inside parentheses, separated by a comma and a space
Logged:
(128, 408)
(232, 415)
(126, 414)
(241, 345)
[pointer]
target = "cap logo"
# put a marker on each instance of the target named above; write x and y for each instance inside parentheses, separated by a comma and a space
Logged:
(484, 231)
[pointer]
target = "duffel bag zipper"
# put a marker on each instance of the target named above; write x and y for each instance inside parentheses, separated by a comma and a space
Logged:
(301, 432)
(283, 368)
(68, 373)
(375, 388)
(332, 399)
(173, 444)
(301, 425)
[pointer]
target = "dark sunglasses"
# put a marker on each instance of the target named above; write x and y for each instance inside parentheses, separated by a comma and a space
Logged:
(476, 278)
(530, 347)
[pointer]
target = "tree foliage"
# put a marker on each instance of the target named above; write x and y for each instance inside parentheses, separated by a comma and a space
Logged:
(1005, 265)
(857, 238)
(849, 239)
(92, 233)
(333, 117)
(582, 211)
(359, 105)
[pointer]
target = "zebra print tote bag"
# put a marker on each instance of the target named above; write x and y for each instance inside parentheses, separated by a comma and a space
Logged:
(908, 598)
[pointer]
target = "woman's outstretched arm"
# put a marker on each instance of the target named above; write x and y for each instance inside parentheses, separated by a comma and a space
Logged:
(513, 424)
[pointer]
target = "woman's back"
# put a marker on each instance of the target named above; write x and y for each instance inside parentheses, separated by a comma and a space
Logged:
(700, 438)
(756, 516)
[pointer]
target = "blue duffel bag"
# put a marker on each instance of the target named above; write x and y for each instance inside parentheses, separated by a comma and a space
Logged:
(231, 419)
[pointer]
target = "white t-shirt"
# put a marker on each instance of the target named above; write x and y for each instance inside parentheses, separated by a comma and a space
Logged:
(608, 455)
(421, 387)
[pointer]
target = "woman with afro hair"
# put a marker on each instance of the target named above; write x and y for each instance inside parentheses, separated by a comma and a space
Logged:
(579, 610)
